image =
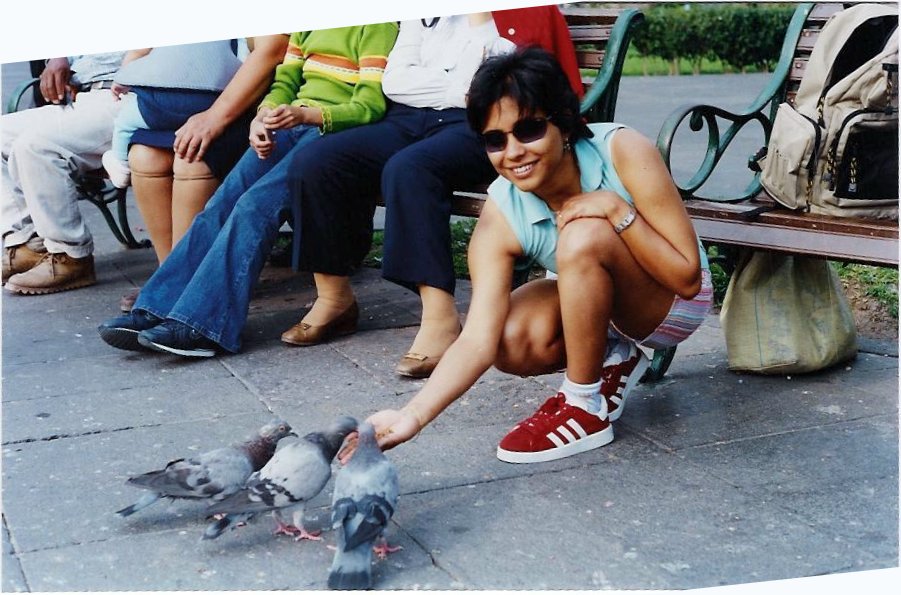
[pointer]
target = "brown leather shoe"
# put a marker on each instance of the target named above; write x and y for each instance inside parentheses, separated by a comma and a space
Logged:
(304, 334)
(18, 259)
(415, 365)
(55, 272)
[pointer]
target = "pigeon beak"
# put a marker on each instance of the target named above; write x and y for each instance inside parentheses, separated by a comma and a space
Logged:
(292, 433)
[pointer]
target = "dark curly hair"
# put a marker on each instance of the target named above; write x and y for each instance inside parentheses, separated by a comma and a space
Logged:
(532, 78)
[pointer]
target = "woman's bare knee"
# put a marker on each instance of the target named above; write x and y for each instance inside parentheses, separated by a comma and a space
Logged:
(589, 237)
(525, 350)
(150, 161)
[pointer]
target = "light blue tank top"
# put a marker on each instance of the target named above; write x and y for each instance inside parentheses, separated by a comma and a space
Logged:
(533, 221)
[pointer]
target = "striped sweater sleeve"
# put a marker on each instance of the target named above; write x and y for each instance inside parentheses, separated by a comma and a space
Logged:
(288, 74)
(367, 103)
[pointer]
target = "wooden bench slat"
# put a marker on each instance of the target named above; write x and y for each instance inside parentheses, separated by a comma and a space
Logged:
(807, 40)
(799, 65)
(576, 15)
(590, 59)
(803, 242)
(583, 34)
(822, 11)
(870, 241)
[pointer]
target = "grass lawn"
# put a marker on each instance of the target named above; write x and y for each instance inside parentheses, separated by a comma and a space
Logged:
(637, 65)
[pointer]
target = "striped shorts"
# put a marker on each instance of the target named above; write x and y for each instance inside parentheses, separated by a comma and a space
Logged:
(684, 318)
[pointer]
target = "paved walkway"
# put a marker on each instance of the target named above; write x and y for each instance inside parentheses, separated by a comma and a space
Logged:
(714, 478)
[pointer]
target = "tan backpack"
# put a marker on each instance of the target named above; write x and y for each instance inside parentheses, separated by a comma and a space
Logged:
(836, 150)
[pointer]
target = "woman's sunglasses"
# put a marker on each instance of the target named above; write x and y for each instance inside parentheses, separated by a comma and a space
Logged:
(526, 131)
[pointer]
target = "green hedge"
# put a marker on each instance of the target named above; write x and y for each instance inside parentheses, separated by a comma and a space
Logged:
(739, 35)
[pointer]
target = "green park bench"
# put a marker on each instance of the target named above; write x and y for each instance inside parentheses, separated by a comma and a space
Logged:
(726, 220)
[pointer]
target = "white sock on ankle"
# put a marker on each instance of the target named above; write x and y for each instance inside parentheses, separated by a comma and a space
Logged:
(584, 396)
(618, 348)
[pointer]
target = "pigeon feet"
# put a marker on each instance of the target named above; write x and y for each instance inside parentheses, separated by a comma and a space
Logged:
(303, 534)
(298, 533)
(384, 549)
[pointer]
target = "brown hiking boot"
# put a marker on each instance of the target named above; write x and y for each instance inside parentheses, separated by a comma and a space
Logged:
(18, 259)
(55, 272)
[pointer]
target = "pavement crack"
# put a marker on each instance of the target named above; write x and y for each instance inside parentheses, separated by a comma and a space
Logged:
(55, 437)
(14, 551)
(787, 432)
(246, 384)
(428, 552)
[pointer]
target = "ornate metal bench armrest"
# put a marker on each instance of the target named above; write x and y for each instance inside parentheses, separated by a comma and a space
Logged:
(762, 109)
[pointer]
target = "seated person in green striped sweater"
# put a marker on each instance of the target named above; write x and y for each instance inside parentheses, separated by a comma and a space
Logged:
(197, 301)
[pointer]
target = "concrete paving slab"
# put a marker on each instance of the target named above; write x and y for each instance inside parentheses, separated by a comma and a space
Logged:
(107, 411)
(682, 411)
(302, 377)
(176, 560)
(13, 579)
(600, 527)
(794, 470)
(82, 479)
(851, 451)
(113, 371)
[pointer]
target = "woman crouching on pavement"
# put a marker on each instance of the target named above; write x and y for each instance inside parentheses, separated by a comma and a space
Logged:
(594, 204)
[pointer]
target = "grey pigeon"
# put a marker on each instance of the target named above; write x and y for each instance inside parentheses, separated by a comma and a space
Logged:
(294, 475)
(213, 475)
(364, 500)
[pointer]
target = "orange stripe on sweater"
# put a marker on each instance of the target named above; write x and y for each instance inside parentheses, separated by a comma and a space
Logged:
(373, 62)
(334, 61)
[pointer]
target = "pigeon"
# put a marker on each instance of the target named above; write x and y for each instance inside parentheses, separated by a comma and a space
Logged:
(294, 475)
(364, 499)
(213, 475)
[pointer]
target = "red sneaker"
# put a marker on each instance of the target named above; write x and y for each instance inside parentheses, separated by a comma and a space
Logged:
(555, 431)
(618, 378)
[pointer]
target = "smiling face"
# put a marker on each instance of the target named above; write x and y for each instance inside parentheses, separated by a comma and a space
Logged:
(542, 166)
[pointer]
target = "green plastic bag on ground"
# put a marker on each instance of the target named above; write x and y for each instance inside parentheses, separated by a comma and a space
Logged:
(786, 314)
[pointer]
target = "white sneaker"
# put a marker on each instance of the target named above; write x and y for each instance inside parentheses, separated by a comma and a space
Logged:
(118, 171)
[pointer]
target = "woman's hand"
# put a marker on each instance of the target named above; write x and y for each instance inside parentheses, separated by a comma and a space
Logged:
(285, 116)
(600, 204)
(392, 427)
(195, 136)
(118, 91)
(261, 137)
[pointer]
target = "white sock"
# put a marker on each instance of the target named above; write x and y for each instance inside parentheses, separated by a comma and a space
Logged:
(618, 348)
(584, 396)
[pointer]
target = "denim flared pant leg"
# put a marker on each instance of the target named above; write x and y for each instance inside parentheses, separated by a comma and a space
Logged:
(208, 279)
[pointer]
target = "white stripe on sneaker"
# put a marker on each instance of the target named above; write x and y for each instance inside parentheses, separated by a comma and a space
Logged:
(553, 438)
(578, 428)
(570, 437)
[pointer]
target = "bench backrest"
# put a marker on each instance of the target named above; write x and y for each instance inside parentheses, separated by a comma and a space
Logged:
(601, 37)
(817, 17)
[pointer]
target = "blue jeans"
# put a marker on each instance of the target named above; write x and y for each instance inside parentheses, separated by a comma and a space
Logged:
(208, 279)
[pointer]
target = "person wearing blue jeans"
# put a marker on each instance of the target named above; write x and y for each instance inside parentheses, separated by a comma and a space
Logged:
(196, 303)
(207, 281)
